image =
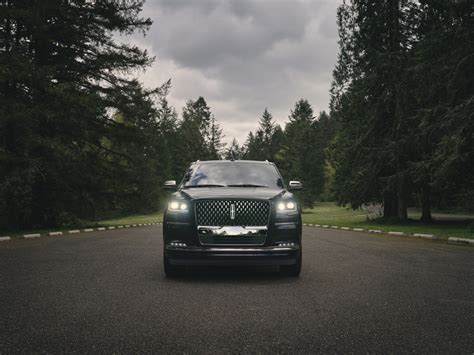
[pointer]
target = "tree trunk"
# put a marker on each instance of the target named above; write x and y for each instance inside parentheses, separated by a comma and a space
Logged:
(426, 204)
(11, 206)
(402, 200)
(37, 218)
(390, 204)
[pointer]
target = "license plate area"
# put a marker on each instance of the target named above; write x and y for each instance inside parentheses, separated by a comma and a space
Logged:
(232, 235)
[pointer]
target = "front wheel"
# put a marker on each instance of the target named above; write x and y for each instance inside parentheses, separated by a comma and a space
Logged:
(292, 270)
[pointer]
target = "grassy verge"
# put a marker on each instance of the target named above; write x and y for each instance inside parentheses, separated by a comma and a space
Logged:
(329, 213)
(134, 219)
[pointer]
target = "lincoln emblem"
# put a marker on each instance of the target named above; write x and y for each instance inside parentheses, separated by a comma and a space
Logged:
(232, 211)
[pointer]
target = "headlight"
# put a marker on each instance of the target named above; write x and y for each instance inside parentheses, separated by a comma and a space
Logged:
(286, 206)
(177, 206)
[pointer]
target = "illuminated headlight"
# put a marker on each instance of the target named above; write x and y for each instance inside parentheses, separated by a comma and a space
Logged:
(178, 206)
(286, 206)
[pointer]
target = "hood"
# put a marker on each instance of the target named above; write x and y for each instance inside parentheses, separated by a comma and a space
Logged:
(232, 192)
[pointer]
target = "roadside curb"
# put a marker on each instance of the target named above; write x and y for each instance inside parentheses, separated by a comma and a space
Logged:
(450, 240)
(462, 241)
(425, 236)
(377, 231)
(77, 231)
(55, 233)
(30, 236)
(398, 234)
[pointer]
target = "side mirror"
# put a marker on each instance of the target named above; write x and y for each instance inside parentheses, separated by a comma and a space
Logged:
(170, 185)
(295, 186)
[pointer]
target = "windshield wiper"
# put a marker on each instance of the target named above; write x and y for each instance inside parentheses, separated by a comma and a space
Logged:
(247, 185)
(203, 185)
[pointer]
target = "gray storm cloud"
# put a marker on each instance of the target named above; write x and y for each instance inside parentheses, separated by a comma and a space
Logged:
(243, 56)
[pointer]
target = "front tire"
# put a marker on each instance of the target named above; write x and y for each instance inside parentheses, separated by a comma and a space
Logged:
(292, 270)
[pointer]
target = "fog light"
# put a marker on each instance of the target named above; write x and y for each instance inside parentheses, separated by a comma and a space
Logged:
(176, 244)
(286, 244)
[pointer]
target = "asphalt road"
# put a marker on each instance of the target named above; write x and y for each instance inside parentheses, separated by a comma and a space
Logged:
(106, 292)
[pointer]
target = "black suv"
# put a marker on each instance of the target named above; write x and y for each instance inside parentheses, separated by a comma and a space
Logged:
(232, 213)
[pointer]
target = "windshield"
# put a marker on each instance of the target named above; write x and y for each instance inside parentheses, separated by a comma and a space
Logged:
(233, 174)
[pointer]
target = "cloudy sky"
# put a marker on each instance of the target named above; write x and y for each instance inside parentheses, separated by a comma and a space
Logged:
(243, 55)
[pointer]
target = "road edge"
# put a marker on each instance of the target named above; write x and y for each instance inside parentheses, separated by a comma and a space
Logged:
(449, 240)
(76, 231)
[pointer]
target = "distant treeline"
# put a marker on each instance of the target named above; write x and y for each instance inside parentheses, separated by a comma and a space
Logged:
(81, 139)
(298, 149)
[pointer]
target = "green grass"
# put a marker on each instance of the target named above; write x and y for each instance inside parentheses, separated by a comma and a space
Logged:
(134, 219)
(329, 213)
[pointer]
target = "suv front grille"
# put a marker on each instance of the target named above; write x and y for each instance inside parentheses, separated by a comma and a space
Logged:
(219, 213)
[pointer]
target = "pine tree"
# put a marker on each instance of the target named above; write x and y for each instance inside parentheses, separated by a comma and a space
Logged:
(168, 140)
(215, 140)
(441, 92)
(372, 146)
(57, 97)
(303, 154)
(234, 152)
(200, 134)
(266, 142)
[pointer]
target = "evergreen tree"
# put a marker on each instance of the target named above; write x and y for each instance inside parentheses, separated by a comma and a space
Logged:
(234, 152)
(215, 141)
(266, 142)
(372, 146)
(441, 91)
(168, 141)
(303, 154)
(200, 134)
(57, 93)
(250, 147)
(402, 97)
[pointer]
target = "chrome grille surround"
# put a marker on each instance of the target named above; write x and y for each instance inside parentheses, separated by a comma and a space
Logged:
(248, 213)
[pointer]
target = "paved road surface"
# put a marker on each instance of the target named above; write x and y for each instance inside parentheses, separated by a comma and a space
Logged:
(106, 292)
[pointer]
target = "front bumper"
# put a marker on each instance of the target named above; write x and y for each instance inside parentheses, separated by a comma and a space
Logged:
(192, 255)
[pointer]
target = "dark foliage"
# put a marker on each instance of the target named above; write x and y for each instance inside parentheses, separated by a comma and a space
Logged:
(402, 96)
